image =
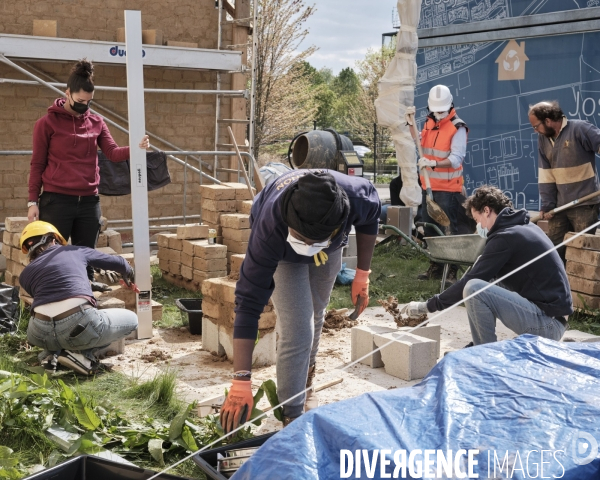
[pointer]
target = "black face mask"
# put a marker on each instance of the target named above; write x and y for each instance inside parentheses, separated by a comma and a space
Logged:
(80, 107)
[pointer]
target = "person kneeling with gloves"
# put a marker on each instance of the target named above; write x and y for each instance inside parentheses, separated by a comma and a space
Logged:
(534, 300)
(64, 320)
(300, 222)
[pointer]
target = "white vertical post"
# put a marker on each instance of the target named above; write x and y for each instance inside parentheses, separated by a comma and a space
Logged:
(137, 159)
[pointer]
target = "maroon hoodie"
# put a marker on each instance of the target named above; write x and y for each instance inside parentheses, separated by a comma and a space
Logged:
(65, 157)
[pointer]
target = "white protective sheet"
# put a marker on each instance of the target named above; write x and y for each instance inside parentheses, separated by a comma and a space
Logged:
(396, 93)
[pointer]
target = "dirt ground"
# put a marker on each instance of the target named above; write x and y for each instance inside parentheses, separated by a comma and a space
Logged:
(202, 375)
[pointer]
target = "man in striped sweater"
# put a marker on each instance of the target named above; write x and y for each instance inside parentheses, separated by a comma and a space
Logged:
(567, 169)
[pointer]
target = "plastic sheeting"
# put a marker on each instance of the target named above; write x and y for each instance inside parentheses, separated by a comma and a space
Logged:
(396, 93)
(525, 395)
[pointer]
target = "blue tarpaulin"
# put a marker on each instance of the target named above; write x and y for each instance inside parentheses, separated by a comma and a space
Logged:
(525, 404)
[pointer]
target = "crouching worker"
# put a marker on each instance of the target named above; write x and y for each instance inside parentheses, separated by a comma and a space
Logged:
(300, 222)
(64, 321)
(535, 300)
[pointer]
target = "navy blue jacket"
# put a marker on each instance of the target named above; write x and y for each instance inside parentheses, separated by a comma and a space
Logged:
(512, 242)
(60, 273)
(268, 246)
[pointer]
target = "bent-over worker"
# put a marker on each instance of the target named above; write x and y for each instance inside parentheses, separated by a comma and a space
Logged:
(300, 223)
(65, 322)
(536, 300)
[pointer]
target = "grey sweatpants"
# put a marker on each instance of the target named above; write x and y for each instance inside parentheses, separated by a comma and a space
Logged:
(300, 297)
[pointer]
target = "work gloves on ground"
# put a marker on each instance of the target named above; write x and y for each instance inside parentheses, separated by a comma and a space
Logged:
(415, 309)
(425, 162)
(238, 405)
(360, 288)
(409, 116)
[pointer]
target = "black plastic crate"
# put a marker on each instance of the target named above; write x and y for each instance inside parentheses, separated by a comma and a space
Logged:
(193, 307)
(207, 460)
(88, 467)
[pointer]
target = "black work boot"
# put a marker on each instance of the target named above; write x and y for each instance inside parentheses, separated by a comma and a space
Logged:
(452, 276)
(434, 272)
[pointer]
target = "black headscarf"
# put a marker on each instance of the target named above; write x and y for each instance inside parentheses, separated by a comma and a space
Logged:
(315, 205)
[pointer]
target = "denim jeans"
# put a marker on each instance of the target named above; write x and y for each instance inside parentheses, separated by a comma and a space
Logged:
(102, 327)
(300, 297)
(517, 313)
(451, 204)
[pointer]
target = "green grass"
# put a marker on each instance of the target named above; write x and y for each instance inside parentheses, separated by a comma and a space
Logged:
(166, 293)
(394, 271)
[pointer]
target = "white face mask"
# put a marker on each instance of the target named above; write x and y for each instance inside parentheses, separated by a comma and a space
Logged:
(440, 115)
(482, 231)
(302, 248)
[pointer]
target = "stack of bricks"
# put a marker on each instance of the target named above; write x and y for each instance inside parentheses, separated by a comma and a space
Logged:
(583, 270)
(218, 316)
(236, 233)
(15, 258)
(187, 259)
(110, 239)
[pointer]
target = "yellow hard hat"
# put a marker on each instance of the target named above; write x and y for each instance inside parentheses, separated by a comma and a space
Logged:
(37, 228)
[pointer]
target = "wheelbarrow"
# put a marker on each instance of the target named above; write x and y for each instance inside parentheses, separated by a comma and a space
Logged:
(462, 250)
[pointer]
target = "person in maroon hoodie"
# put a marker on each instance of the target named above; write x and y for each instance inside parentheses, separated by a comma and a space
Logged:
(65, 163)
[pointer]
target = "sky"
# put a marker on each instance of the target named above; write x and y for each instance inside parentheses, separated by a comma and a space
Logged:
(344, 30)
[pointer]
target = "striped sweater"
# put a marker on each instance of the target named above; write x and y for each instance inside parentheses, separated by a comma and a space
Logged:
(567, 166)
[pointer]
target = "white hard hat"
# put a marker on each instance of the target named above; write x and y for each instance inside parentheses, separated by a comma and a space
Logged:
(440, 99)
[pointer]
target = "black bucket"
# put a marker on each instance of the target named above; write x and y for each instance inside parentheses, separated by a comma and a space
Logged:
(87, 467)
(318, 149)
(193, 307)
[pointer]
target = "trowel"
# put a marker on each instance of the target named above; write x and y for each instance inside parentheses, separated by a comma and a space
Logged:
(359, 303)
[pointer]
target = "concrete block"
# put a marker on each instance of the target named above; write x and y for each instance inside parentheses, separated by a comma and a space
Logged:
(102, 241)
(45, 28)
(585, 241)
(408, 356)
(195, 231)
(106, 251)
(241, 190)
(362, 343)
(210, 265)
(583, 270)
(210, 251)
(175, 243)
(351, 262)
(577, 336)
(172, 43)
(244, 206)
(401, 218)
(199, 276)
(217, 192)
(580, 255)
(583, 285)
(265, 351)
(186, 272)
(162, 239)
(210, 336)
(234, 246)
(235, 220)
(152, 37)
(15, 224)
(433, 332)
(186, 259)
(242, 235)
(114, 240)
(218, 205)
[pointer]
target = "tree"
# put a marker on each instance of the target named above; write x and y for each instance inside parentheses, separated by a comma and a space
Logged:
(285, 100)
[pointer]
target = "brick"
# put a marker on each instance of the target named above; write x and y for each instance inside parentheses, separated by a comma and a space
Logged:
(210, 265)
(106, 251)
(264, 351)
(129, 258)
(16, 240)
(209, 252)
(121, 35)
(45, 28)
(6, 251)
(241, 190)
(235, 220)
(152, 37)
(218, 205)
(102, 241)
(211, 217)
(585, 302)
(585, 241)
(15, 224)
(9, 279)
(589, 257)
(187, 259)
(235, 246)
(172, 43)
(199, 277)
(7, 238)
(408, 356)
(244, 206)
(217, 192)
(162, 239)
(189, 245)
(583, 285)
(235, 264)
(163, 264)
(219, 289)
(582, 270)
(210, 336)
(362, 343)
(181, 282)
(173, 255)
(110, 302)
(157, 311)
(114, 240)
(432, 332)
(242, 235)
(186, 272)
(175, 243)
(195, 231)
(174, 268)
(163, 253)
(121, 293)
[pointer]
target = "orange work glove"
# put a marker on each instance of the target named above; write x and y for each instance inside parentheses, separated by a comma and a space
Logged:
(238, 405)
(360, 287)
